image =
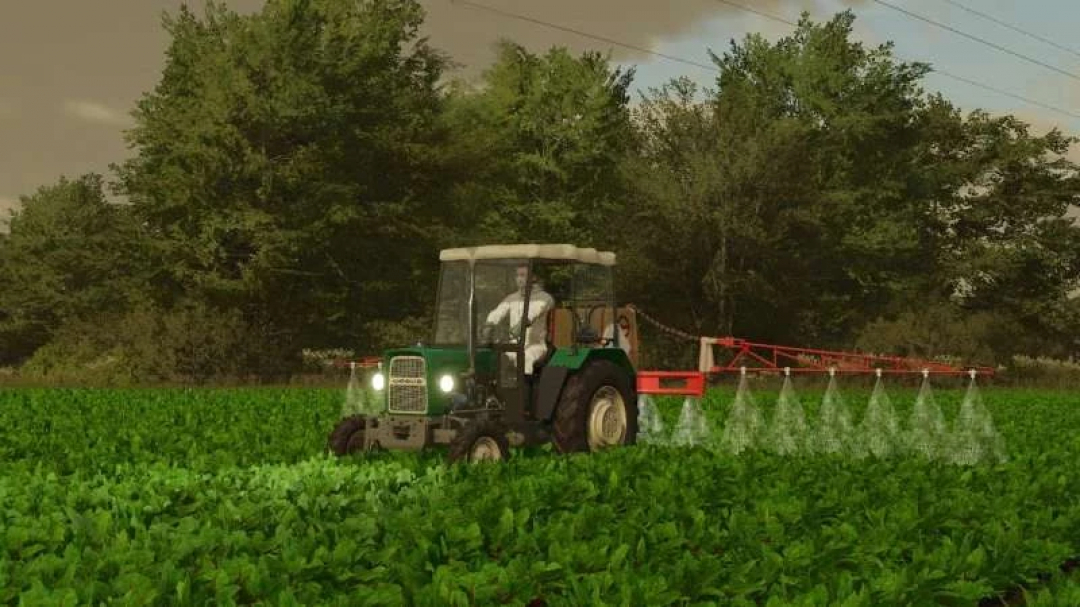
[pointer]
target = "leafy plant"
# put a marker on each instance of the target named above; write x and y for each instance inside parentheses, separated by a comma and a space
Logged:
(186, 496)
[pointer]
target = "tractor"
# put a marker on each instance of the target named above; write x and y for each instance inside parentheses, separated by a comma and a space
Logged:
(528, 347)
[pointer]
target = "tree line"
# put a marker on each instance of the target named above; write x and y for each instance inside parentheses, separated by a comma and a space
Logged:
(295, 171)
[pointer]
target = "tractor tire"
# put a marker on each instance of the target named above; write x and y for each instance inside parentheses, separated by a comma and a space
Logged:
(348, 436)
(596, 410)
(479, 441)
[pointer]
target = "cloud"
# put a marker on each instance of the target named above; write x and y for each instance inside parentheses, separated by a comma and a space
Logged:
(91, 111)
(468, 32)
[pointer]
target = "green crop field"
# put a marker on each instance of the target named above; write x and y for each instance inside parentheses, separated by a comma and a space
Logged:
(184, 497)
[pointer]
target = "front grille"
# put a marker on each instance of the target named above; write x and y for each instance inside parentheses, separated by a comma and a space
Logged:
(407, 385)
(407, 367)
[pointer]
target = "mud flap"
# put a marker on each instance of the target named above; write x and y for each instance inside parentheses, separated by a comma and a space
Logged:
(552, 380)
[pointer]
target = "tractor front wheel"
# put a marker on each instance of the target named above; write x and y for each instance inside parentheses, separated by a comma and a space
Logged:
(597, 409)
(480, 441)
(348, 436)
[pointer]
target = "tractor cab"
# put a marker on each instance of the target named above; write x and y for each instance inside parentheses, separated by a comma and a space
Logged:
(521, 333)
(529, 302)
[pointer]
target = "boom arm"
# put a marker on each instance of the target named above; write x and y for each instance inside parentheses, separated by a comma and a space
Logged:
(771, 358)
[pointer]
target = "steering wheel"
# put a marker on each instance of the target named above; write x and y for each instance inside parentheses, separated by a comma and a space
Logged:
(496, 333)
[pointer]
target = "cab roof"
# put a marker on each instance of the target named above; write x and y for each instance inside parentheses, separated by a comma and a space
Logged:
(566, 252)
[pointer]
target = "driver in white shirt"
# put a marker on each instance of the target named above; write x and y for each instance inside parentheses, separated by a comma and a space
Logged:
(540, 302)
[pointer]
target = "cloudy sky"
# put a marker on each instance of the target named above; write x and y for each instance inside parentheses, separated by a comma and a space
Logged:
(71, 71)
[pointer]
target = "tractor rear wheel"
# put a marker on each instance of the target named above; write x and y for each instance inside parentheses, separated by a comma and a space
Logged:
(480, 441)
(597, 409)
(348, 436)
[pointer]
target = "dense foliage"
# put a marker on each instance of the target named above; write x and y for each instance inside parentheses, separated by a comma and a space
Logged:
(188, 496)
(295, 171)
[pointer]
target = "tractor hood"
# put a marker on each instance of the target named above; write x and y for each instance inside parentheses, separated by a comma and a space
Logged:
(440, 363)
(437, 359)
(440, 360)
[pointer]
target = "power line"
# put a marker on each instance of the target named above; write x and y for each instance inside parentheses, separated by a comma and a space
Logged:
(1012, 27)
(1007, 94)
(713, 68)
(510, 15)
(977, 39)
(757, 12)
(934, 68)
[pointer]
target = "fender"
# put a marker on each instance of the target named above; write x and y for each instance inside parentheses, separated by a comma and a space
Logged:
(552, 380)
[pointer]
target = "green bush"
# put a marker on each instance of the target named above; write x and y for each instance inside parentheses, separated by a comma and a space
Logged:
(190, 344)
(383, 334)
(935, 332)
(1042, 372)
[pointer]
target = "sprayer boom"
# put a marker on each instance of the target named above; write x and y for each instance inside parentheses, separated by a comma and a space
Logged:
(766, 358)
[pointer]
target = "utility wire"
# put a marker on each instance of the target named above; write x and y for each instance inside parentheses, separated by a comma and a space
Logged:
(519, 17)
(934, 68)
(977, 39)
(757, 12)
(1012, 27)
(510, 15)
(1008, 94)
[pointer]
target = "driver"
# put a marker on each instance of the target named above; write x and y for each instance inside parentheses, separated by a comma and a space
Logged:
(540, 302)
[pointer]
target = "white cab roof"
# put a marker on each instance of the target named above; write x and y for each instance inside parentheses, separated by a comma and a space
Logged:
(566, 252)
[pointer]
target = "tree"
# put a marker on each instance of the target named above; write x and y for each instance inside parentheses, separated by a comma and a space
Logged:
(70, 254)
(286, 164)
(785, 190)
(818, 192)
(544, 138)
(1006, 243)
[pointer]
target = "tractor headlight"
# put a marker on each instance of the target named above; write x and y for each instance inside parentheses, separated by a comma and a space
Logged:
(446, 383)
(378, 381)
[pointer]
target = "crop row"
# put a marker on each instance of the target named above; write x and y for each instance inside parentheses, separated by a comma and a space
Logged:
(117, 519)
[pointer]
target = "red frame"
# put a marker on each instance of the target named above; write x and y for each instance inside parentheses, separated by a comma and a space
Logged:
(692, 383)
(776, 359)
(368, 362)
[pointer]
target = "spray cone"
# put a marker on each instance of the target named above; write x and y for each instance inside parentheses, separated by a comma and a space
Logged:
(879, 432)
(975, 439)
(650, 424)
(834, 433)
(926, 434)
(354, 394)
(745, 426)
(692, 429)
(789, 431)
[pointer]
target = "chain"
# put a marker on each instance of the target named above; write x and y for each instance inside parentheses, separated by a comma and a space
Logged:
(662, 326)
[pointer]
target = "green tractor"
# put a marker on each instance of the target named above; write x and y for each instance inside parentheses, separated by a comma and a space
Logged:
(528, 347)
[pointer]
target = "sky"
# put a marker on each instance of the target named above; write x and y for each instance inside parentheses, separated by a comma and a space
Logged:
(70, 72)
